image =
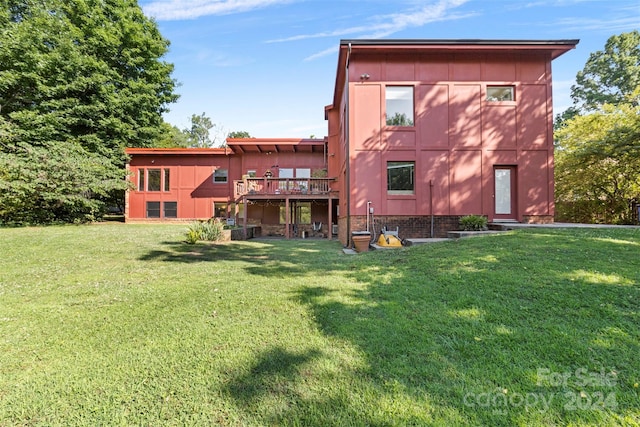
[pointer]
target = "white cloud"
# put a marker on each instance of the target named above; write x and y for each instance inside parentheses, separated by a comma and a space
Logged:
(385, 25)
(602, 24)
(330, 51)
(173, 10)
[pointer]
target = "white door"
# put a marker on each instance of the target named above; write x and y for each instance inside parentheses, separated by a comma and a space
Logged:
(504, 195)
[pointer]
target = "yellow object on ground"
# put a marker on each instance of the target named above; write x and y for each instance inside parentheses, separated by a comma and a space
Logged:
(389, 240)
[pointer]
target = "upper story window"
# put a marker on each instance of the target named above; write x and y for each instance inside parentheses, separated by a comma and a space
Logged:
(399, 105)
(154, 179)
(220, 176)
(400, 177)
(500, 93)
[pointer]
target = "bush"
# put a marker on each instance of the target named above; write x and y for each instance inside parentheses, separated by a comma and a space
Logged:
(473, 223)
(210, 230)
(193, 235)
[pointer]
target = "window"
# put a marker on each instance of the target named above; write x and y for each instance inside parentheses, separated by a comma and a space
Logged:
(220, 210)
(153, 209)
(170, 209)
(399, 105)
(251, 173)
(400, 177)
(285, 173)
(301, 213)
(220, 176)
(166, 180)
(141, 180)
(500, 93)
(303, 173)
(153, 179)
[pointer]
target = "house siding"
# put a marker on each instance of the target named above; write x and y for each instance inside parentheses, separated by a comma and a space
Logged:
(458, 137)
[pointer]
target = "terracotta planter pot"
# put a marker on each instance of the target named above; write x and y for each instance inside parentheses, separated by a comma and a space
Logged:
(361, 240)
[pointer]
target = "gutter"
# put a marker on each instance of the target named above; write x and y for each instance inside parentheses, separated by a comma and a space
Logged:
(347, 149)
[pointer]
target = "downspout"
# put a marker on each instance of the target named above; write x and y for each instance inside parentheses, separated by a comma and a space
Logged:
(348, 154)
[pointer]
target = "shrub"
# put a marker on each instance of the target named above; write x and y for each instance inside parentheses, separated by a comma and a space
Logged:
(193, 235)
(210, 230)
(473, 223)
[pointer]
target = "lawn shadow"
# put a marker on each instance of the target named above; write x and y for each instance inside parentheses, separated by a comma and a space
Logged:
(265, 257)
(472, 325)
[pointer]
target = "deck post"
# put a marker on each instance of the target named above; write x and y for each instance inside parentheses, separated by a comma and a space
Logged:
(244, 220)
(330, 220)
(287, 217)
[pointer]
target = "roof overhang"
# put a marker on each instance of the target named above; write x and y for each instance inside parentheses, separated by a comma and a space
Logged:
(554, 47)
(176, 151)
(275, 145)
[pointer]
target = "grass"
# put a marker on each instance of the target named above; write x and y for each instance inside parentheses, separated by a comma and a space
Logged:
(127, 325)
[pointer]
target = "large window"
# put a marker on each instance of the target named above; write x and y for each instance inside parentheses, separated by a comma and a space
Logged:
(220, 176)
(399, 105)
(400, 177)
(500, 93)
(301, 213)
(154, 179)
(169, 209)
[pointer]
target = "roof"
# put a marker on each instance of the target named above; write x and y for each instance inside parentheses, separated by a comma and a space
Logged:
(458, 42)
(554, 48)
(276, 145)
(176, 151)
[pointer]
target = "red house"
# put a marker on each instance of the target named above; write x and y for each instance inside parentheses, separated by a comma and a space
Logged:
(280, 185)
(428, 131)
(421, 133)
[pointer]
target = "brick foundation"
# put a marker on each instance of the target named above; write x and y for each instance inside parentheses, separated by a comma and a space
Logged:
(537, 219)
(409, 227)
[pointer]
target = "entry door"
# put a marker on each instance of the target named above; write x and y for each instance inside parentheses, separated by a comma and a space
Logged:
(505, 206)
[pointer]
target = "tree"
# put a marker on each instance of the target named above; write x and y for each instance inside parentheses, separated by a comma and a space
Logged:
(598, 140)
(610, 75)
(598, 165)
(239, 134)
(171, 137)
(82, 80)
(198, 134)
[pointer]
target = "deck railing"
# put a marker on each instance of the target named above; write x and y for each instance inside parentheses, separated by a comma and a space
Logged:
(276, 186)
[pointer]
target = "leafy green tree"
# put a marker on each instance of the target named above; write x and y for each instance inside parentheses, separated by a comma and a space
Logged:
(172, 137)
(610, 75)
(598, 139)
(239, 134)
(81, 80)
(598, 166)
(199, 133)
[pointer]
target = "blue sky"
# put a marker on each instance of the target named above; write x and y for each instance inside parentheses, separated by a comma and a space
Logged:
(268, 66)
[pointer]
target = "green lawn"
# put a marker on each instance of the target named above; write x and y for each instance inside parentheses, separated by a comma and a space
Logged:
(126, 325)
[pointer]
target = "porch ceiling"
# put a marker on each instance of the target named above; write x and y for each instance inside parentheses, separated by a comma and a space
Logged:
(263, 145)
